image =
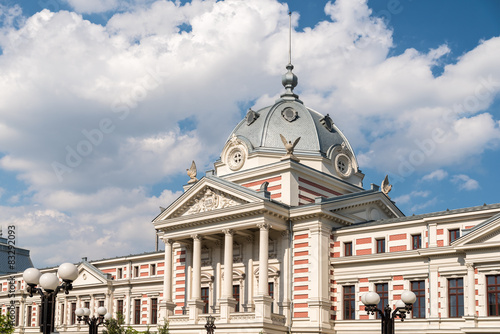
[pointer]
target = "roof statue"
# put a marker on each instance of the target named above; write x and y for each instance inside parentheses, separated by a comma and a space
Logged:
(386, 187)
(289, 148)
(191, 172)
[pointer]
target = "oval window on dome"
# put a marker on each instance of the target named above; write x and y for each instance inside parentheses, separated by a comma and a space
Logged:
(343, 165)
(289, 114)
(236, 158)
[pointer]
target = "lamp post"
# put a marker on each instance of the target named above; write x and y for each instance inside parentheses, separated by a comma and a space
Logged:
(93, 322)
(49, 288)
(403, 306)
(210, 326)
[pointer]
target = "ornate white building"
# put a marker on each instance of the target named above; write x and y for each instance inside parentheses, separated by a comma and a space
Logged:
(282, 237)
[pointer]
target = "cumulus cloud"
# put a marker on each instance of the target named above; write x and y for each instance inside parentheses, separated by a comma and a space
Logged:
(407, 198)
(464, 182)
(437, 175)
(90, 111)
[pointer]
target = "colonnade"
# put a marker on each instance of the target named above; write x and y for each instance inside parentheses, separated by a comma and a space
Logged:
(227, 303)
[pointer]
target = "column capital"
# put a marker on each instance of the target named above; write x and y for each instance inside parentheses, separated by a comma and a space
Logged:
(264, 226)
(469, 265)
(168, 241)
(227, 231)
(197, 237)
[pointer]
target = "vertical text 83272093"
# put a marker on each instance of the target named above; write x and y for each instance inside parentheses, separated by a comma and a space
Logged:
(11, 258)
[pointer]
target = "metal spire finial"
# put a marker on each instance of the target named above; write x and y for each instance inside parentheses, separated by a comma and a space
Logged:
(289, 80)
(290, 37)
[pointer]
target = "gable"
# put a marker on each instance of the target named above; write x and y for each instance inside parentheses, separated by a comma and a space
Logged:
(487, 234)
(88, 275)
(209, 194)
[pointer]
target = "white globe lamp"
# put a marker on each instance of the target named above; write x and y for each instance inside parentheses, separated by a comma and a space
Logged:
(68, 272)
(32, 276)
(49, 281)
(408, 297)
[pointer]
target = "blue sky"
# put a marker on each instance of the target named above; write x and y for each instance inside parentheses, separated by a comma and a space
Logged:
(414, 85)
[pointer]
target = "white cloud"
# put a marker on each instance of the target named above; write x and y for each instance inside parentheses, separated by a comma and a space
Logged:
(464, 182)
(438, 175)
(406, 198)
(140, 75)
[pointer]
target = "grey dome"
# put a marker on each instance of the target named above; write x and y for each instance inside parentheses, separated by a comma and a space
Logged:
(261, 130)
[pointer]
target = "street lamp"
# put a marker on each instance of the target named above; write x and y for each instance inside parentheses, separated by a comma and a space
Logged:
(403, 306)
(93, 322)
(49, 288)
(210, 326)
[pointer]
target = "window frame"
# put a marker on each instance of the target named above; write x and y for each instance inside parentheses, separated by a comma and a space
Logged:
(384, 296)
(153, 311)
(418, 238)
(453, 234)
(380, 245)
(457, 292)
(349, 302)
(496, 292)
(418, 310)
(137, 311)
(348, 248)
(205, 298)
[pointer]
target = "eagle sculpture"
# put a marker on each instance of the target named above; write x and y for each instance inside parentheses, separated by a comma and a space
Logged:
(191, 172)
(289, 148)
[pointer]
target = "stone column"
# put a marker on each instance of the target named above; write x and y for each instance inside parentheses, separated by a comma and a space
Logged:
(227, 302)
(249, 279)
(262, 300)
(286, 282)
(471, 290)
(167, 305)
(227, 291)
(263, 259)
(195, 303)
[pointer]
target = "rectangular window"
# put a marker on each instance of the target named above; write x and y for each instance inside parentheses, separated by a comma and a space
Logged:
(454, 235)
(28, 316)
(416, 241)
(270, 289)
(154, 311)
(137, 311)
(493, 288)
(347, 248)
(101, 303)
(87, 305)
(119, 307)
(120, 273)
(236, 296)
(349, 303)
(383, 291)
(418, 288)
(456, 297)
(205, 296)
(381, 245)
(73, 316)
(62, 314)
(136, 271)
(152, 270)
(17, 315)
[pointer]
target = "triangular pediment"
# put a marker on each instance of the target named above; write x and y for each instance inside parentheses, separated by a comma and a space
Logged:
(209, 194)
(486, 233)
(89, 275)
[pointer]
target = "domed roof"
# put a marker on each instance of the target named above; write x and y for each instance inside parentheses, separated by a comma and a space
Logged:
(261, 129)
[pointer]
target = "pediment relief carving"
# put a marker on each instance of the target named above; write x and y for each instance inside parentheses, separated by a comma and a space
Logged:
(209, 199)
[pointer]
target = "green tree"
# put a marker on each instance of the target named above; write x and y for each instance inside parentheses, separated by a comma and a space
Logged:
(6, 325)
(114, 326)
(164, 329)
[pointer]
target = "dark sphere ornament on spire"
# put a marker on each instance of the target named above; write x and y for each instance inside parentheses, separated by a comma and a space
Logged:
(289, 81)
